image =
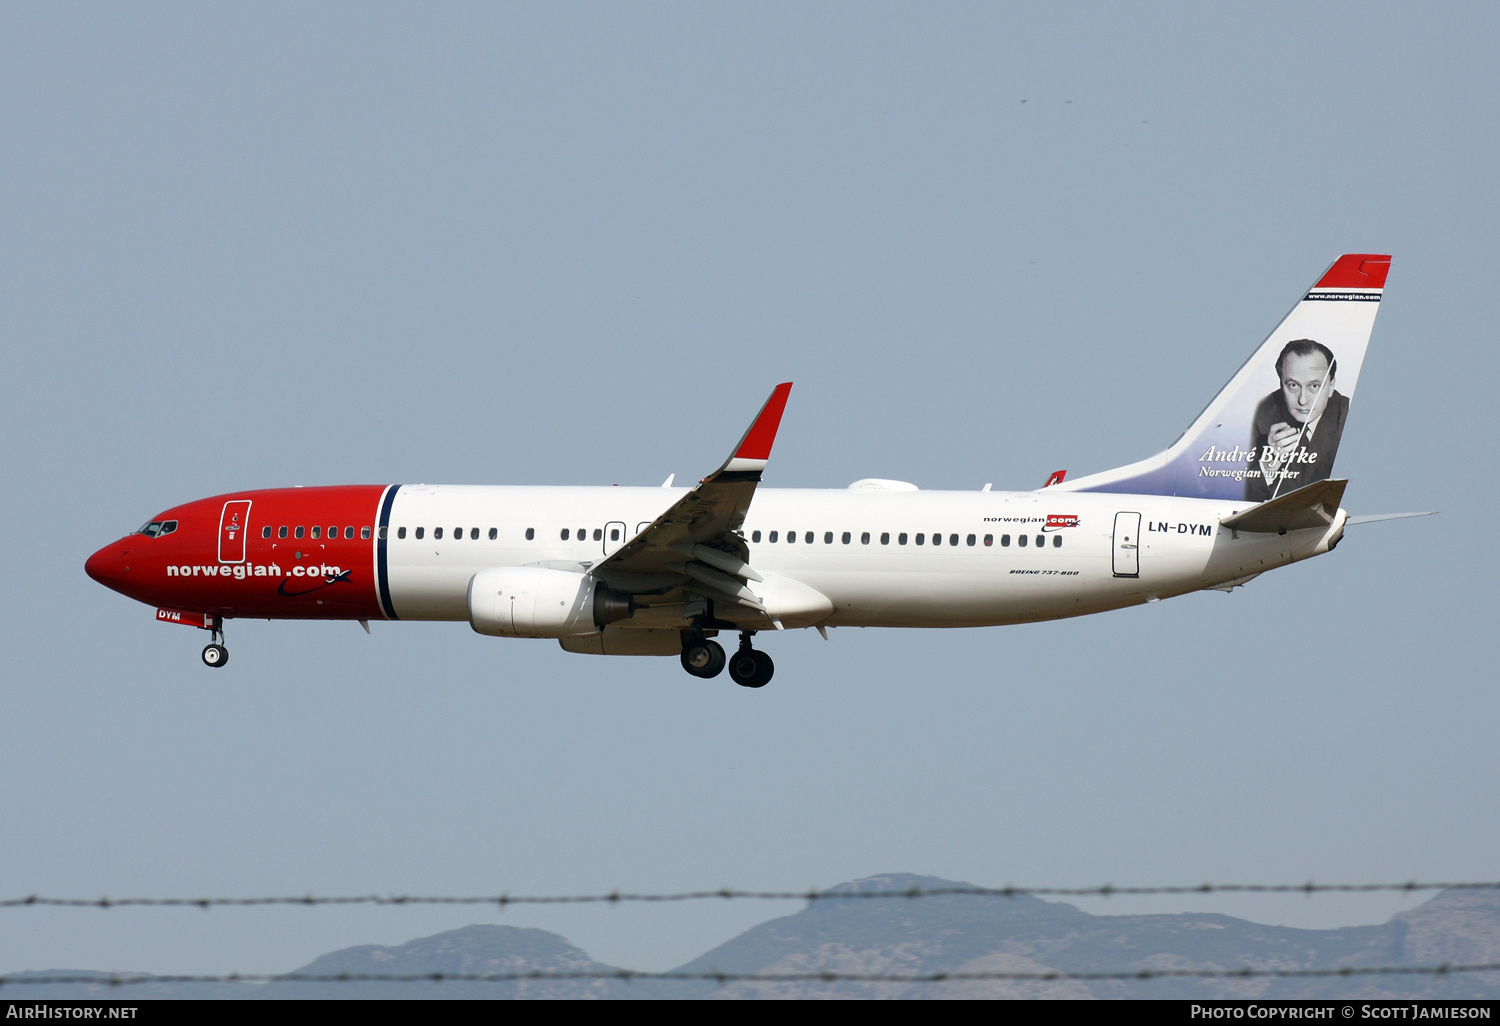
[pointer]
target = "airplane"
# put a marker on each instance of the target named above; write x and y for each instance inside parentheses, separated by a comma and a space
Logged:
(663, 571)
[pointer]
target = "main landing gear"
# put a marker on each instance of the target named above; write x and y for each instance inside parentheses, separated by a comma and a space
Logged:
(215, 654)
(748, 667)
(701, 657)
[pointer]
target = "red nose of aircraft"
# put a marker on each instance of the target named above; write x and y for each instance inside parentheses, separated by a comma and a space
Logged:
(110, 566)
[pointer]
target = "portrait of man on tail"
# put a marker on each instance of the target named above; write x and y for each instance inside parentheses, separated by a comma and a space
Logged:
(1295, 433)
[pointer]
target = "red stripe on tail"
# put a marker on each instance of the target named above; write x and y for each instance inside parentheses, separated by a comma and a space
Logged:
(1356, 271)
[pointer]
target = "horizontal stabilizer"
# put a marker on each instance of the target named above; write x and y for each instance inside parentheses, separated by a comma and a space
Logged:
(1375, 518)
(1316, 505)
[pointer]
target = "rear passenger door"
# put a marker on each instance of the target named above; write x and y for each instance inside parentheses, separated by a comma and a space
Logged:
(1127, 560)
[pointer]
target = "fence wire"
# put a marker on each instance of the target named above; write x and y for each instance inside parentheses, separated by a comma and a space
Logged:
(817, 976)
(731, 894)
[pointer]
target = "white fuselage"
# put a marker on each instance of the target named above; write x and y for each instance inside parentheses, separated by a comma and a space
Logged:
(872, 579)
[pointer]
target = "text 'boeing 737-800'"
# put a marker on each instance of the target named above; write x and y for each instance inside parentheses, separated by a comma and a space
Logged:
(663, 571)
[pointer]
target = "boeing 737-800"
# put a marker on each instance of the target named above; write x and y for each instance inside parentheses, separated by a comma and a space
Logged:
(662, 571)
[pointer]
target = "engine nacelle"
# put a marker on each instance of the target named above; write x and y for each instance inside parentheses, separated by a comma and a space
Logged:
(539, 602)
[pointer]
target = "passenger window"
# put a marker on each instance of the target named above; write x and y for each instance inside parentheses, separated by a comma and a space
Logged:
(317, 532)
(827, 537)
(772, 536)
(1041, 540)
(1057, 541)
(791, 536)
(920, 538)
(972, 539)
(298, 532)
(437, 532)
(333, 532)
(614, 534)
(846, 536)
(953, 540)
(864, 539)
(383, 530)
(755, 536)
(598, 534)
(419, 533)
(808, 537)
(530, 533)
(494, 533)
(564, 534)
(937, 539)
(400, 532)
(989, 539)
(1005, 541)
(901, 538)
(281, 532)
(1021, 540)
(473, 534)
(458, 534)
(265, 532)
(885, 537)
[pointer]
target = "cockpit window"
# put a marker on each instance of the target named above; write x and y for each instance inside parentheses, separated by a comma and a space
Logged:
(157, 528)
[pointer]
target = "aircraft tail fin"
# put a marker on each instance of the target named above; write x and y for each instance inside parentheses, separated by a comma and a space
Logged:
(1275, 428)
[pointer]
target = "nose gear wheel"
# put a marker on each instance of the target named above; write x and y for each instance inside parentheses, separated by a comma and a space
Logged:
(215, 654)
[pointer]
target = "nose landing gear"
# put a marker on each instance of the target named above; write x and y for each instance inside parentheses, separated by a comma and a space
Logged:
(749, 667)
(215, 654)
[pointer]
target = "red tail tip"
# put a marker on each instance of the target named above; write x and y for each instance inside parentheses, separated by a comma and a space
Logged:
(1356, 271)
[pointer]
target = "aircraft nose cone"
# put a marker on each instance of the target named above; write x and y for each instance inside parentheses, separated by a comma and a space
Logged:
(107, 566)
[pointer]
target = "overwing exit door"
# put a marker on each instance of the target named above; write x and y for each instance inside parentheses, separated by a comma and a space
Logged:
(1127, 544)
(233, 523)
(614, 536)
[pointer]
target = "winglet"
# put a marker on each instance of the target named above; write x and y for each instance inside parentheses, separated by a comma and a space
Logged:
(755, 448)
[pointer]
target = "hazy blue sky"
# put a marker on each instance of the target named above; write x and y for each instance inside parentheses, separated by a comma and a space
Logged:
(259, 245)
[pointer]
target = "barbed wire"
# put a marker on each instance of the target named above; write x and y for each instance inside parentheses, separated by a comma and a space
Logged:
(731, 894)
(815, 976)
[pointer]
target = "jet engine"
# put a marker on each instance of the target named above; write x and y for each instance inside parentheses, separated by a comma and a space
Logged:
(540, 602)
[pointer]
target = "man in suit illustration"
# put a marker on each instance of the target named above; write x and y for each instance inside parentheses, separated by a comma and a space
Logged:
(1295, 433)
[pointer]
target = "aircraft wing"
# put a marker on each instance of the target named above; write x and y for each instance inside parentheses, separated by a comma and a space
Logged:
(694, 544)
